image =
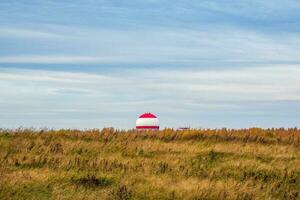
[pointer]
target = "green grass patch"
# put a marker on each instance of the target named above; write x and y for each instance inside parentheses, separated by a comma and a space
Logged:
(92, 181)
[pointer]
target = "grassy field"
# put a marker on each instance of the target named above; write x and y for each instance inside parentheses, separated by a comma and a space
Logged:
(109, 164)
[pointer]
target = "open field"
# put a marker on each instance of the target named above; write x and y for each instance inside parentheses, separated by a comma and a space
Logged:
(109, 164)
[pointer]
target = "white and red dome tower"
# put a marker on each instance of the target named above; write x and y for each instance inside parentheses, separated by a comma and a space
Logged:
(147, 121)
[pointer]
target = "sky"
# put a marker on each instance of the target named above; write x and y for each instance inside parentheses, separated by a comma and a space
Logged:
(101, 63)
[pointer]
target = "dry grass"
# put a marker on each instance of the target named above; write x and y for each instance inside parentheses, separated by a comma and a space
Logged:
(110, 164)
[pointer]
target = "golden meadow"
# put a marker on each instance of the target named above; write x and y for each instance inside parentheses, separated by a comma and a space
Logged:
(168, 164)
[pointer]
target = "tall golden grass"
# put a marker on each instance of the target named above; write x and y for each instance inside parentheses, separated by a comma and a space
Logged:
(168, 164)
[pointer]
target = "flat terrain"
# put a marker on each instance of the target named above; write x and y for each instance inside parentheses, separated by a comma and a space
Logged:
(109, 164)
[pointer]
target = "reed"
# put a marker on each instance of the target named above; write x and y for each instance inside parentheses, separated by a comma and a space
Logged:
(168, 164)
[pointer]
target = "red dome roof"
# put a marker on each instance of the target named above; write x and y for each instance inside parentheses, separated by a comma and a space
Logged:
(147, 115)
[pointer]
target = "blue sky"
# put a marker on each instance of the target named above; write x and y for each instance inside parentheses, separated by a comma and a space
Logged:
(93, 64)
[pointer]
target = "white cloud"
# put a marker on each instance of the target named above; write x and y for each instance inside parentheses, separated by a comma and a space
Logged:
(264, 83)
(73, 96)
(217, 44)
(28, 33)
(51, 59)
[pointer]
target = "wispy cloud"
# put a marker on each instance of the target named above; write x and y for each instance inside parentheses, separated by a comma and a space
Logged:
(234, 85)
(134, 91)
(158, 45)
(51, 59)
(9, 32)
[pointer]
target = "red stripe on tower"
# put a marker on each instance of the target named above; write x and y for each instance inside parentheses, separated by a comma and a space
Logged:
(147, 127)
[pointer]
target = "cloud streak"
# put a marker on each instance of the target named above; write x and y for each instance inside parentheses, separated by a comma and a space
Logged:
(264, 83)
(156, 46)
(132, 92)
(51, 59)
(9, 32)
